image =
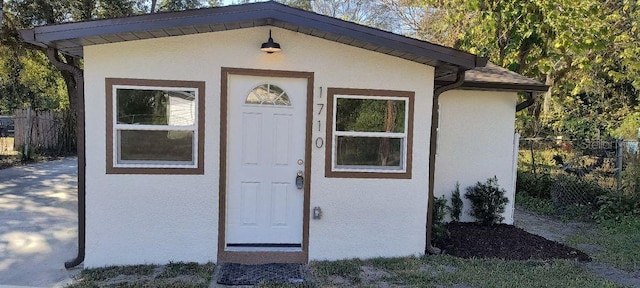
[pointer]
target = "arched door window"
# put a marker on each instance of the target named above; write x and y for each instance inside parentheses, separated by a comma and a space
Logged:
(268, 94)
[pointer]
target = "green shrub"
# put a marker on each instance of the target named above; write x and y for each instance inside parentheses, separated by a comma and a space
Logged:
(487, 201)
(29, 156)
(439, 206)
(631, 174)
(456, 204)
(617, 205)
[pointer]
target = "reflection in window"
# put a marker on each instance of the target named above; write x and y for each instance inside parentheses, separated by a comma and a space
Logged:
(268, 94)
(156, 107)
(369, 151)
(155, 125)
(150, 145)
(370, 133)
(370, 115)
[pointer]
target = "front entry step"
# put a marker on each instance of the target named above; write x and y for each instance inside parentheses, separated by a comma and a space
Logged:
(241, 274)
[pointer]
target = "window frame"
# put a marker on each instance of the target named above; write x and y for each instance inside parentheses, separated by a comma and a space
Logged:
(354, 171)
(151, 166)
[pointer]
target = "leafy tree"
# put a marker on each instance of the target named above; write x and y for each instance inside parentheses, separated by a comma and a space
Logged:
(586, 51)
(178, 5)
(28, 13)
(300, 4)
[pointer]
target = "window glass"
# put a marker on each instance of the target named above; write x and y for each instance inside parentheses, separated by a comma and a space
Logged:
(369, 151)
(370, 133)
(370, 115)
(155, 126)
(268, 94)
(155, 107)
(146, 145)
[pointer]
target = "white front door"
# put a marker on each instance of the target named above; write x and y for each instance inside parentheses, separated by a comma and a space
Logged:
(266, 152)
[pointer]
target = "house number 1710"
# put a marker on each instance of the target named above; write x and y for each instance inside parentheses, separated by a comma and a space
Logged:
(319, 141)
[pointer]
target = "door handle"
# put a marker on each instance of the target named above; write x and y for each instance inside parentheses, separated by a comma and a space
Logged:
(299, 180)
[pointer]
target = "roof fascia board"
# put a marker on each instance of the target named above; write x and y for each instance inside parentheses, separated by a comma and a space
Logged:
(251, 12)
(488, 86)
(378, 37)
(45, 35)
(154, 17)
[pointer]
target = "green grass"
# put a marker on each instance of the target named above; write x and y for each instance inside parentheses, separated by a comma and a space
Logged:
(194, 269)
(179, 275)
(500, 273)
(427, 271)
(619, 240)
(438, 270)
(347, 269)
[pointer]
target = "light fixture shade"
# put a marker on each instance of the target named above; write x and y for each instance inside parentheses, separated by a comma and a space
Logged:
(270, 46)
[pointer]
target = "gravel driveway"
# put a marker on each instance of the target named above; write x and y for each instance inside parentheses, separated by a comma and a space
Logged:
(38, 223)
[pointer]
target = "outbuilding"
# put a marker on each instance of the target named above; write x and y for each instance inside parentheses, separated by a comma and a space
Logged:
(263, 133)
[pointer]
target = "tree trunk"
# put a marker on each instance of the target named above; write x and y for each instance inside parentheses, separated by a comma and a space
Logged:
(72, 86)
(385, 147)
(546, 104)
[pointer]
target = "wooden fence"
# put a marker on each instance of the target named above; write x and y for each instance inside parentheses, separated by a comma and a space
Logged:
(49, 132)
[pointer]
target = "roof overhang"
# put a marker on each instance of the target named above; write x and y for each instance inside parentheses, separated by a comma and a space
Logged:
(495, 78)
(70, 38)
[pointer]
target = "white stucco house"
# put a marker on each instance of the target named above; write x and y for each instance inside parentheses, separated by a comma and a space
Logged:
(200, 146)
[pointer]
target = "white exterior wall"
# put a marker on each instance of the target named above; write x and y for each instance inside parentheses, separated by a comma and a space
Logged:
(475, 142)
(135, 219)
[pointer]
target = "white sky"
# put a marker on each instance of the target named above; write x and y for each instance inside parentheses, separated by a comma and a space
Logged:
(229, 2)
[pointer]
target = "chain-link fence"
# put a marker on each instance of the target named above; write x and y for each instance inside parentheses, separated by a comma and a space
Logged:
(573, 173)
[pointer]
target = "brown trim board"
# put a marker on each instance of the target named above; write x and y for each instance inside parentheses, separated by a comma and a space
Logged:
(110, 82)
(262, 257)
(71, 37)
(328, 172)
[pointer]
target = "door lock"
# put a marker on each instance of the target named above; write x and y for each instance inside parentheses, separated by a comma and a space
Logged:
(299, 180)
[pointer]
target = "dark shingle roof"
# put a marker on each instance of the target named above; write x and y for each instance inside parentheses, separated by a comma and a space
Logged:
(494, 77)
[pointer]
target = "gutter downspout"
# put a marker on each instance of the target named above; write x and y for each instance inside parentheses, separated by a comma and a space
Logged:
(526, 103)
(435, 119)
(78, 75)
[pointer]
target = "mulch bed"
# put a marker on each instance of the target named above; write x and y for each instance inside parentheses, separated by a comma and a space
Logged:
(469, 240)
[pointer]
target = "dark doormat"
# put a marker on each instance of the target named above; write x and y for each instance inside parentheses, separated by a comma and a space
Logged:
(240, 274)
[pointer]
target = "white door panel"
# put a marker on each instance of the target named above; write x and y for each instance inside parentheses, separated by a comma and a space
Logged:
(265, 141)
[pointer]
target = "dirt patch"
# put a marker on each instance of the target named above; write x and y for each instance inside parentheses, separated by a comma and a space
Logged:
(456, 286)
(548, 227)
(338, 280)
(469, 240)
(555, 229)
(616, 275)
(9, 161)
(372, 274)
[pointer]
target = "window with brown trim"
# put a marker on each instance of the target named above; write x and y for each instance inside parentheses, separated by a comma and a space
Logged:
(369, 133)
(155, 126)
